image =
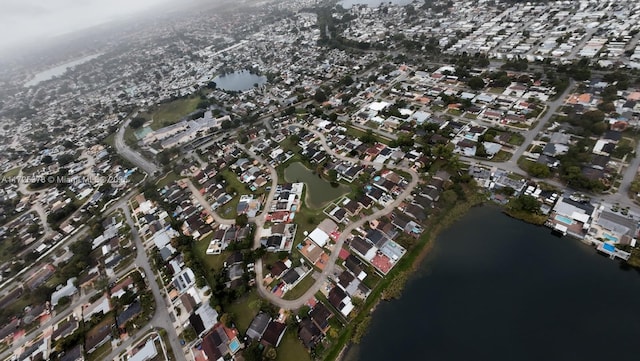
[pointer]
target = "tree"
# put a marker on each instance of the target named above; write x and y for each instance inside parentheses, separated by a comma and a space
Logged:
(242, 220)
(449, 197)
(539, 170)
(253, 352)
(320, 96)
(137, 122)
(189, 334)
(481, 151)
(347, 80)
(476, 83)
(333, 176)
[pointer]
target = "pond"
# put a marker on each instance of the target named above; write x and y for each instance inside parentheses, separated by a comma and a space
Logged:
(239, 80)
(373, 3)
(319, 191)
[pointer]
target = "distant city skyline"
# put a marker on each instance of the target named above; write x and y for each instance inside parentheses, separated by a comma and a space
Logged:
(29, 21)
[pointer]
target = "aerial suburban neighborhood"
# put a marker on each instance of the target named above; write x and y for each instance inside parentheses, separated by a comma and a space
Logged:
(249, 182)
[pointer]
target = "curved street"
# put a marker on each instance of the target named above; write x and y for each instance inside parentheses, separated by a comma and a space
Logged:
(329, 267)
(127, 153)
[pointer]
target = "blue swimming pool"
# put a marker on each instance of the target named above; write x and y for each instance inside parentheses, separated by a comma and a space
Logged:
(293, 208)
(376, 178)
(234, 345)
(563, 219)
(611, 238)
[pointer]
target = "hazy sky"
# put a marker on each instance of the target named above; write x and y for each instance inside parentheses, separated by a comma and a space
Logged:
(35, 20)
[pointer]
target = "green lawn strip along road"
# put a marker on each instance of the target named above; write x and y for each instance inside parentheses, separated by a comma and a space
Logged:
(437, 223)
(300, 288)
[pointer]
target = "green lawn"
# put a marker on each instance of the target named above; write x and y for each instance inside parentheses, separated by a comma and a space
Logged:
(372, 279)
(163, 115)
(110, 140)
(12, 172)
(245, 309)
(306, 219)
(210, 261)
(502, 156)
(357, 133)
(171, 112)
(300, 288)
(168, 179)
(228, 211)
(100, 353)
(291, 349)
(130, 137)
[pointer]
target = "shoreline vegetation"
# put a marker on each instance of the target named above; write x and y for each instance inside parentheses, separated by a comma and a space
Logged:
(392, 287)
(531, 218)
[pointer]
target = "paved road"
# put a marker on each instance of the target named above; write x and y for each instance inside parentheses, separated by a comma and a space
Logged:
(131, 155)
(205, 204)
(530, 135)
(161, 317)
(576, 49)
(52, 321)
(259, 218)
(622, 195)
(329, 267)
(37, 207)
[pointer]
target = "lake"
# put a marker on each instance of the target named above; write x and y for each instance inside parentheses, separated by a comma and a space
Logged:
(58, 70)
(495, 288)
(239, 80)
(319, 191)
(372, 3)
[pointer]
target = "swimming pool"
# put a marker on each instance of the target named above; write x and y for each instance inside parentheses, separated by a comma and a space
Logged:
(611, 238)
(234, 345)
(376, 178)
(293, 208)
(563, 219)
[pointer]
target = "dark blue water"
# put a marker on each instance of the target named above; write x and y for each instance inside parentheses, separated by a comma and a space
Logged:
(495, 288)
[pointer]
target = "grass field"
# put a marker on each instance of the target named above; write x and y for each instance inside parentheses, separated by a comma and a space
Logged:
(163, 115)
(12, 172)
(357, 133)
(228, 211)
(300, 288)
(168, 179)
(171, 112)
(291, 349)
(210, 261)
(244, 310)
(110, 140)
